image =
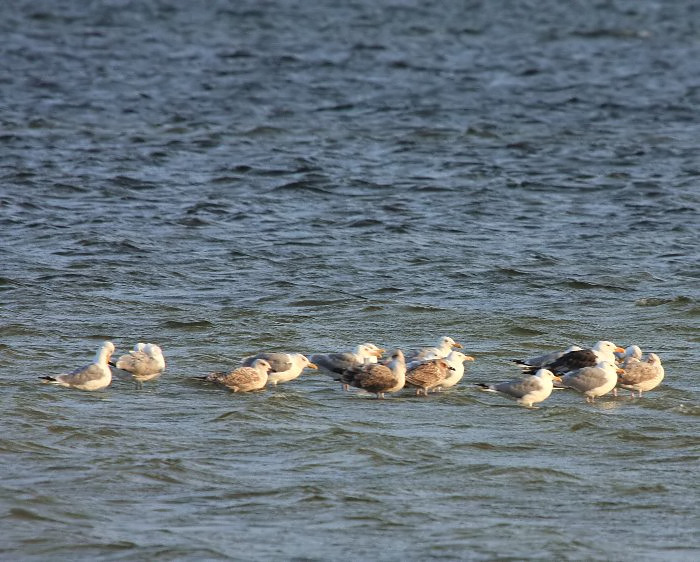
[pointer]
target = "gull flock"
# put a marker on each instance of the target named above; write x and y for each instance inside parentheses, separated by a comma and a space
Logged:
(592, 372)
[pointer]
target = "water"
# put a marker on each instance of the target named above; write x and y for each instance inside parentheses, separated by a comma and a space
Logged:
(225, 178)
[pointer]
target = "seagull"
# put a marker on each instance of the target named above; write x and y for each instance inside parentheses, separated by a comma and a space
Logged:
(632, 353)
(285, 366)
(601, 351)
(539, 360)
(592, 381)
(428, 375)
(95, 376)
(378, 378)
(641, 375)
(529, 391)
(339, 363)
(456, 360)
(242, 379)
(442, 349)
(144, 362)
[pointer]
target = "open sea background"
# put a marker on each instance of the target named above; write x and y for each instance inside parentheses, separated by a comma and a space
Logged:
(224, 178)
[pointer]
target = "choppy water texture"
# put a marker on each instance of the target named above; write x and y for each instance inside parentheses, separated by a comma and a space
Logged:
(228, 177)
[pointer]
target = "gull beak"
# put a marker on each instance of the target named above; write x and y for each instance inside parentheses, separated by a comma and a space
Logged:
(469, 358)
(457, 344)
(312, 366)
(619, 371)
(378, 352)
(558, 379)
(619, 350)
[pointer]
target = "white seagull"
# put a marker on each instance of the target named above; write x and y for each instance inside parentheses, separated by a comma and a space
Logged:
(284, 366)
(592, 381)
(528, 391)
(95, 376)
(442, 349)
(144, 362)
(456, 360)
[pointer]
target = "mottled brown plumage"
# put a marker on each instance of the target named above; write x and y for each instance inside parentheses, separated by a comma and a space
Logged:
(284, 367)
(243, 379)
(377, 378)
(641, 375)
(428, 375)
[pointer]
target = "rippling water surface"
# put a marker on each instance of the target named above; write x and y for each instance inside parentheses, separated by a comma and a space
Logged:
(229, 177)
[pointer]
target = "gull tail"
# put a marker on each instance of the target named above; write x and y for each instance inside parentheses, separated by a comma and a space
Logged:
(485, 387)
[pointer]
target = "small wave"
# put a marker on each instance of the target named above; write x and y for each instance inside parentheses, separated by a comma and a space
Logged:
(579, 284)
(659, 301)
(192, 222)
(484, 446)
(192, 325)
(133, 183)
(301, 185)
(27, 515)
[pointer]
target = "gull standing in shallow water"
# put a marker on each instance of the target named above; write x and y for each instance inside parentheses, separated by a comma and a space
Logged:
(377, 378)
(456, 360)
(339, 363)
(95, 376)
(592, 381)
(428, 375)
(284, 366)
(144, 362)
(442, 349)
(528, 391)
(641, 375)
(242, 379)
(601, 351)
(539, 361)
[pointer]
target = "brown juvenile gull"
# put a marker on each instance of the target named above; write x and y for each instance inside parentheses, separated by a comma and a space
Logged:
(378, 378)
(528, 391)
(242, 379)
(339, 363)
(456, 360)
(428, 375)
(285, 366)
(642, 375)
(95, 376)
(601, 351)
(144, 362)
(592, 381)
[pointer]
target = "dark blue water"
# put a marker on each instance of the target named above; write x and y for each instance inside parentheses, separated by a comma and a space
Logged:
(224, 178)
